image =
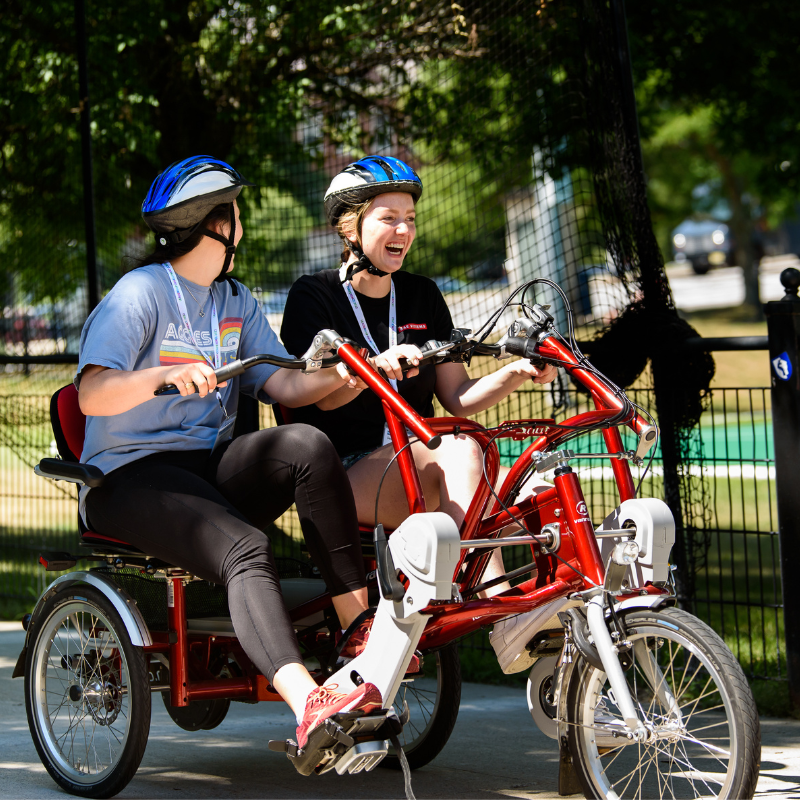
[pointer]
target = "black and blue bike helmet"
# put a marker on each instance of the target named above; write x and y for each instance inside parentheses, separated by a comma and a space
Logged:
(183, 195)
(366, 178)
(363, 179)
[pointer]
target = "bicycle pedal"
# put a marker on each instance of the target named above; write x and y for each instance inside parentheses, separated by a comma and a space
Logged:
(325, 745)
(356, 738)
(288, 746)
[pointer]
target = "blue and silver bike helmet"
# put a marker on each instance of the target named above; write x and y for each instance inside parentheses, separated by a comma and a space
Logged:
(360, 181)
(182, 196)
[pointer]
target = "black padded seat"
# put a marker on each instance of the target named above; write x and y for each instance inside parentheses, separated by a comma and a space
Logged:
(97, 540)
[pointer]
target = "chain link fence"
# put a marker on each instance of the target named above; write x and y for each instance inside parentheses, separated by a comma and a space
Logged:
(738, 589)
(519, 117)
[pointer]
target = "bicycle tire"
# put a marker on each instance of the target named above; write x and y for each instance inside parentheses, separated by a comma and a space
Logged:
(81, 662)
(707, 736)
(437, 708)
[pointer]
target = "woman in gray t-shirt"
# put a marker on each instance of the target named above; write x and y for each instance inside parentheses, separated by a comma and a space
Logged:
(177, 486)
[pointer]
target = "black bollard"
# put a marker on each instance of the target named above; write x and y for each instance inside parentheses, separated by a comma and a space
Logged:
(783, 326)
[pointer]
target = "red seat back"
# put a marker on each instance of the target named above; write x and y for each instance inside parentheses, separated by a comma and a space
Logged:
(283, 414)
(69, 428)
(69, 423)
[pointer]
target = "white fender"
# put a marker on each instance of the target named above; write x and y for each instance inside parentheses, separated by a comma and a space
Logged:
(645, 601)
(124, 604)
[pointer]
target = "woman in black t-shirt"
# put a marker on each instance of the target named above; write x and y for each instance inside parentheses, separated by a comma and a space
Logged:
(391, 313)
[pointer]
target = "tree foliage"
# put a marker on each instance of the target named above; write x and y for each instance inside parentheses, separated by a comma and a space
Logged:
(229, 78)
(719, 106)
(280, 89)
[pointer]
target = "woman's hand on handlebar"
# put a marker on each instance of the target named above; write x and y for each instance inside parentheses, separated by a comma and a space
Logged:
(389, 361)
(545, 374)
(353, 381)
(197, 378)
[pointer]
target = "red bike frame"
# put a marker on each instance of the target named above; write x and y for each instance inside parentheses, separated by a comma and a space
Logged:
(191, 654)
(564, 503)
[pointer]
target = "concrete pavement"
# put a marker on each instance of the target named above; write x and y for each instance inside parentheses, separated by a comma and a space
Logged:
(495, 751)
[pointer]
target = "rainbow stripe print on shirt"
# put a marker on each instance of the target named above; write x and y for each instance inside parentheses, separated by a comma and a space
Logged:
(177, 346)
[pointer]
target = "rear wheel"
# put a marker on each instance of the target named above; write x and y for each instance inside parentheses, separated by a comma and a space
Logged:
(692, 696)
(87, 694)
(433, 705)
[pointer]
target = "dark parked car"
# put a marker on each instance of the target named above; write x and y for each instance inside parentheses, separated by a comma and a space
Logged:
(703, 244)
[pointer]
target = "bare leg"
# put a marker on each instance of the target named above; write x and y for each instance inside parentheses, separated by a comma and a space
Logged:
(349, 606)
(294, 684)
(449, 476)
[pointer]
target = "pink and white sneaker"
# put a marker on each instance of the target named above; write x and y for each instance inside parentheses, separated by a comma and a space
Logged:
(323, 702)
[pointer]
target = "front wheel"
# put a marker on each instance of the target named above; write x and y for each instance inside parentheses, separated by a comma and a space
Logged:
(704, 738)
(86, 694)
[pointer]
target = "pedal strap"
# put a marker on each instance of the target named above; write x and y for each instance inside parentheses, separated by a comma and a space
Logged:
(404, 765)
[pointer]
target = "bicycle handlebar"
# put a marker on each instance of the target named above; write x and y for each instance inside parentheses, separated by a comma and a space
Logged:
(347, 353)
(239, 366)
(456, 350)
(531, 339)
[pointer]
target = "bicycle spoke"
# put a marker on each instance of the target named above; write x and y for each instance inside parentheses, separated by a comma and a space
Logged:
(633, 772)
(700, 775)
(713, 749)
(681, 698)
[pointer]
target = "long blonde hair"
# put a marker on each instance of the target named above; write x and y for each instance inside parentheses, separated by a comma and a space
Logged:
(350, 222)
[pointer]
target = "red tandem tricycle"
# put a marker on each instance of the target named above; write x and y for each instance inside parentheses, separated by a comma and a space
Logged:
(642, 699)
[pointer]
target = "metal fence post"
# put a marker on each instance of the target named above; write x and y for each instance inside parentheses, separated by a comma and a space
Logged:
(783, 326)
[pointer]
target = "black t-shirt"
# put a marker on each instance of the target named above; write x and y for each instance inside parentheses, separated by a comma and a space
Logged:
(319, 301)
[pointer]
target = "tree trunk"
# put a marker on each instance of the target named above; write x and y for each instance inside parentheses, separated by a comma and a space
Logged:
(741, 225)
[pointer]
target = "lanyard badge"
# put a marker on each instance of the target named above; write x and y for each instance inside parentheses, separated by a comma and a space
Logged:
(217, 362)
(362, 323)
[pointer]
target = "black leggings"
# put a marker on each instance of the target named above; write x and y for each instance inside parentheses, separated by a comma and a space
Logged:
(205, 513)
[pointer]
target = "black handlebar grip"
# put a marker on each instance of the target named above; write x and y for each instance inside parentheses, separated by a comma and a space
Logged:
(434, 442)
(223, 373)
(230, 371)
(526, 348)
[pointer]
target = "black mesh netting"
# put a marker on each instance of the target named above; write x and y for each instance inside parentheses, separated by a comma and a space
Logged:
(518, 115)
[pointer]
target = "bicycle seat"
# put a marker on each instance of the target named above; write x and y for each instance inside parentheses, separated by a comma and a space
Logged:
(69, 430)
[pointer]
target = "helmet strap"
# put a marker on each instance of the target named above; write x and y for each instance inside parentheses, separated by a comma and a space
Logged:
(363, 263)
(230, 250)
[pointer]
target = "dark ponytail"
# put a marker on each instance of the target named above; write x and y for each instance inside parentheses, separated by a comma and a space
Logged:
(167, 252)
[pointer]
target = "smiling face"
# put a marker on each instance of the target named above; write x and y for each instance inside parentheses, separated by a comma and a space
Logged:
(388, 229)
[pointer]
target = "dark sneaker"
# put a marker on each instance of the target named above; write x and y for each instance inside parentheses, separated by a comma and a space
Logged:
(323, 702)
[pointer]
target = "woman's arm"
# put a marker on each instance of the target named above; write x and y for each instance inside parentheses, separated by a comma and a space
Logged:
(104, 392)
(293, 388)
(388, 362)
(341, 396)
(463, 396)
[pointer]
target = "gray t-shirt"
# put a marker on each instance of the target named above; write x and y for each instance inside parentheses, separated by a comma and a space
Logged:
(138, 326)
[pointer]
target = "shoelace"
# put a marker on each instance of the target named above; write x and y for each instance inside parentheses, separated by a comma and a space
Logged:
(360, 635)
(323, 695)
